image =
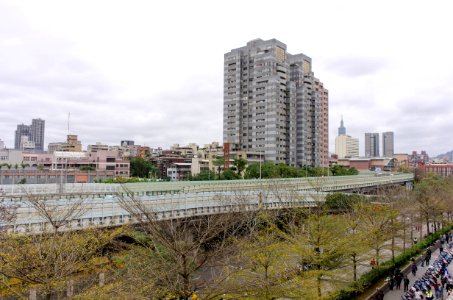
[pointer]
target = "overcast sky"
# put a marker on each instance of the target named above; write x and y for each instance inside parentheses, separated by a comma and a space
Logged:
(152, 71)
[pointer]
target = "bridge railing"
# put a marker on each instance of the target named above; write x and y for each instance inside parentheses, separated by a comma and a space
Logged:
(310, 183)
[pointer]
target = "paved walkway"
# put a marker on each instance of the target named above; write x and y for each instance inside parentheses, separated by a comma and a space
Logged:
(396, 294)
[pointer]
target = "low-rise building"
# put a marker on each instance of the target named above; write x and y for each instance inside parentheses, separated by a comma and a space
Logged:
(179, 171)
(441, 169)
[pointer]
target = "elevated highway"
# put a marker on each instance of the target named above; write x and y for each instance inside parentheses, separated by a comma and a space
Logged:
(98, 205)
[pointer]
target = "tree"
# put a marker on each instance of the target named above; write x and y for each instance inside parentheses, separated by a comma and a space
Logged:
(355, 237)
(319, 243)
(203, 175)
(230, 175)
(261, 264)
(339, 170)
(341, 202)
(56, 213)
(429, 198)
(268, 170)
(141, 168)
(378, 224)
(49, 261)
(240, 164)
(179, 248)
(219, 163)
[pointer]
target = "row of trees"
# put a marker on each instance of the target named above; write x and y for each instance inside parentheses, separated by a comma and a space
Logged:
(300, 253)
(241, 169)
(143, 168)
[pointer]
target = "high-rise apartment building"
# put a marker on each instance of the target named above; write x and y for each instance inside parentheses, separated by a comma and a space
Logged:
(388, 144)
(371, 144)
(34, 132)
(273, 104)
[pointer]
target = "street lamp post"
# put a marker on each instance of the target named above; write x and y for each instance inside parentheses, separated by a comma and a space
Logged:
(260, 162)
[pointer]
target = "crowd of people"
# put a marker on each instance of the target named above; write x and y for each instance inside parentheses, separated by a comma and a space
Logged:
(435, 280)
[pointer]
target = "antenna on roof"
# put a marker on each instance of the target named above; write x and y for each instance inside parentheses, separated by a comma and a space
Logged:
(69, 115)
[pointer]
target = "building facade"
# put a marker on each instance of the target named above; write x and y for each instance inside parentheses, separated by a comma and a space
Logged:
(273, 104)
(371, 144)
(346, 146)
(34, 132)
(388, 148)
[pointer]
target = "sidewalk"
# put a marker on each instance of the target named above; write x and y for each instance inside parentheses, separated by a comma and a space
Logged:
(396, 294)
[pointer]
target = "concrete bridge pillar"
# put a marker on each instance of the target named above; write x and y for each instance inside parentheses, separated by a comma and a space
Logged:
(409, 185)
(33, 294)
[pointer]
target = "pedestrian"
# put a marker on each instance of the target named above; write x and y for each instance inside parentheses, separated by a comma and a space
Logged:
(439, 292)
(449, 285)
(427, 259)
(406, 283)
(398, 279)
(444, 280)
(436, 285)
(414, 268)
(373, 263)
(379, 295)
(391, 282)
(418, 295)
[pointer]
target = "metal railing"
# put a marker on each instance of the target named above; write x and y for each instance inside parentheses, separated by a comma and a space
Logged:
(100, 205)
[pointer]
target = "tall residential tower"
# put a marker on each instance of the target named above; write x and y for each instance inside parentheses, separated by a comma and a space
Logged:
(273, 104)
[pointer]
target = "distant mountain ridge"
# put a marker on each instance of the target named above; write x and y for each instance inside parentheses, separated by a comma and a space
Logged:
(448, 155)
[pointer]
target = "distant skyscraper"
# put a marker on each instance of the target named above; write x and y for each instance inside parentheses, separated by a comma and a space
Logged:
(346, 146)
(37, 133)
(34, 132)
(371, 144)
(274, 105)
(341, 129)
(125, 143)
(388, 144)
(22, 130)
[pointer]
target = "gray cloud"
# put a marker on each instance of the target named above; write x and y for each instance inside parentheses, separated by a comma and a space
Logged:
(356, 66)
(47, 73)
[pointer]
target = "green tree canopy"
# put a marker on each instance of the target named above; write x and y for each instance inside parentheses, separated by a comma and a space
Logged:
(141, 167)
(240, 164)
